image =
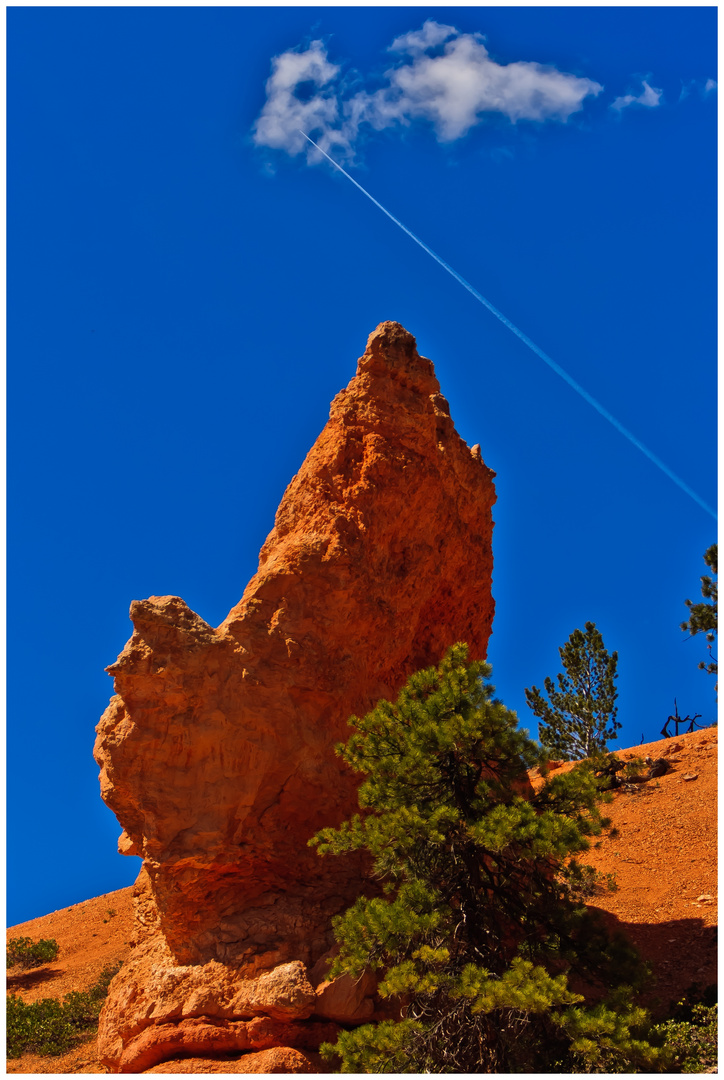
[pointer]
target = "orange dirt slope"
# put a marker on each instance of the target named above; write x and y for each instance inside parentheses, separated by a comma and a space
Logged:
(89, 939)
(663, 853)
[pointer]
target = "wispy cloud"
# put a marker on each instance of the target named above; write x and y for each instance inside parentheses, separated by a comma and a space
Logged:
(649, 97)
(696, 86)
(441, 77)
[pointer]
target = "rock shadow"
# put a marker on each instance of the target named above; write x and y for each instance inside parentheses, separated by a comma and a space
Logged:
(27, 980)
(680, 952)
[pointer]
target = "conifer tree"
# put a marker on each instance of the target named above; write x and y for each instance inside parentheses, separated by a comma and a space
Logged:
(474, 927)
(580, 716)
(703, 616)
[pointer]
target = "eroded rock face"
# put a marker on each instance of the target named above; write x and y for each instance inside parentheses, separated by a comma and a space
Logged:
(216, 752)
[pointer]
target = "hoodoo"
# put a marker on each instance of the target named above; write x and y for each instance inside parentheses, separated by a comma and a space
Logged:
(216, 752)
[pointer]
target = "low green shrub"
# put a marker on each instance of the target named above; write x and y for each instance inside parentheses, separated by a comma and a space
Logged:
(692, 1044)
(51, 1027)
(29, 954)
(634, 769)
(585, 882)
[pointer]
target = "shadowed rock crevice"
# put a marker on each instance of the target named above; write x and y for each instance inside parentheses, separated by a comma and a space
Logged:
(216, 752)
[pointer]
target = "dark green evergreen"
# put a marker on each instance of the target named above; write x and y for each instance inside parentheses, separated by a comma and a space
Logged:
(472, 924)
(702, 616)
(580, 715)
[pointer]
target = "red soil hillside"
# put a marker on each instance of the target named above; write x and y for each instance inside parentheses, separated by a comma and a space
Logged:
(663, 857)
(90, 938)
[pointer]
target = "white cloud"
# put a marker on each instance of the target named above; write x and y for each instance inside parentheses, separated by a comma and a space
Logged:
(649, 97)
(710, 86)
(418, 41)
(454, 90)
(288, 108)
(443, 77)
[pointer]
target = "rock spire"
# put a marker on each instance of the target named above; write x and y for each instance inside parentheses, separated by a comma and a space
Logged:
(216, 752)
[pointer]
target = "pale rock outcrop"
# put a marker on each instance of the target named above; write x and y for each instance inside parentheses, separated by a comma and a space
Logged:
(346, 999)
(216, 752)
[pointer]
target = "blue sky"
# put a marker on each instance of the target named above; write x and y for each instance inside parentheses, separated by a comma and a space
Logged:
(187, 294)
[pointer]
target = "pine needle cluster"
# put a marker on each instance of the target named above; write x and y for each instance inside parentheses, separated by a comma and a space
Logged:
(475, 931)
(703, 616)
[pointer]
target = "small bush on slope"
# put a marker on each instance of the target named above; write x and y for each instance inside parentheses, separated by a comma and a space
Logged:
(29, 954)
(692, 1044)
(478, 928)
(51, 1027)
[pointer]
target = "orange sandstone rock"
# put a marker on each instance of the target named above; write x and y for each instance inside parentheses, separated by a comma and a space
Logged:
(216, 752)
(208, 1038)
(279, 1059)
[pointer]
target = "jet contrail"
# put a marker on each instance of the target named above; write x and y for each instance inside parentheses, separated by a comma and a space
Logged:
(524, 338)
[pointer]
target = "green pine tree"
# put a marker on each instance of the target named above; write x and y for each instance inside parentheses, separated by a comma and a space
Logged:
(580, 716)
(702, 616)
(474, 928)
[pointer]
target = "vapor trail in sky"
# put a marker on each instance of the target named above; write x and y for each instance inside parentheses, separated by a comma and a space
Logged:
(524, 338)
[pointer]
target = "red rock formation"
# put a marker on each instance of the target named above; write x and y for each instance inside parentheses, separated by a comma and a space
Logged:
(216, 752)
